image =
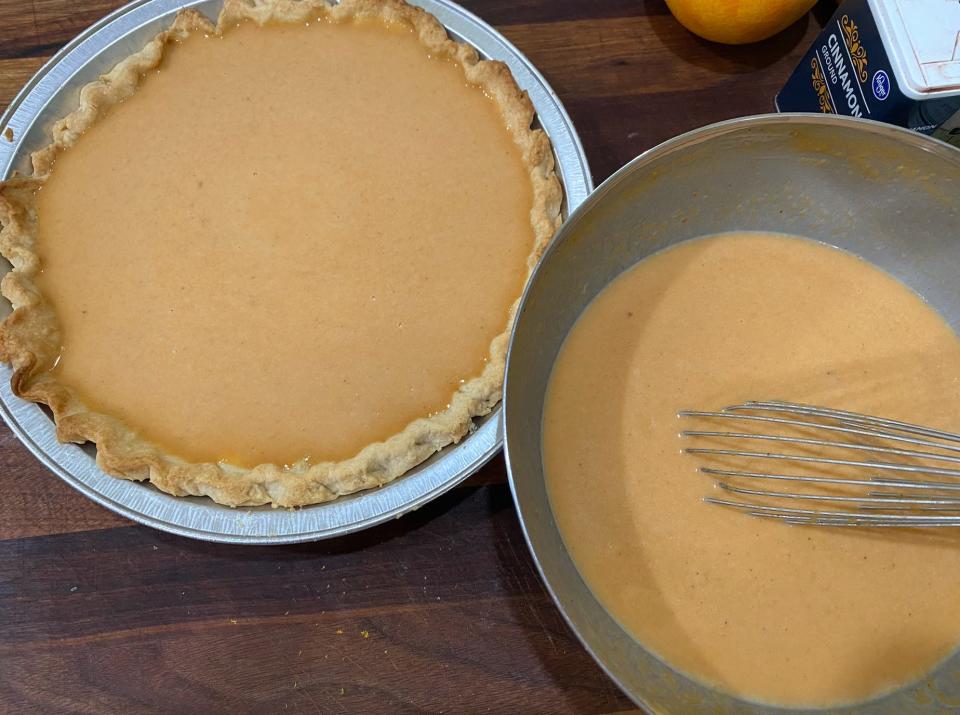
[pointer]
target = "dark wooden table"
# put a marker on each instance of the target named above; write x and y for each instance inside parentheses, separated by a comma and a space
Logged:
(440, 611)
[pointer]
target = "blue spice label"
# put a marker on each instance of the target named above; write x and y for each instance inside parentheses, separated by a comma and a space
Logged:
(848, 71)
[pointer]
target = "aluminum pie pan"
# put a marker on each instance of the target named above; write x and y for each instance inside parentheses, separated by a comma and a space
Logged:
(50, 95)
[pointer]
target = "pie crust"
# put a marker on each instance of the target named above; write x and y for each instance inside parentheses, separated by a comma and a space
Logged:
(30, 336)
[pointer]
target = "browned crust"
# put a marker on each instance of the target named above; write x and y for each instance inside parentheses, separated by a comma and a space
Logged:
(29, 337)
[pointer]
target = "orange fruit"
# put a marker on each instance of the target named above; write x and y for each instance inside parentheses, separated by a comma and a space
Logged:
(737, 22)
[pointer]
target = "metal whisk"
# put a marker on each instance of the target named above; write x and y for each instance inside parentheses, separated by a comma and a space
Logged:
(840, 466)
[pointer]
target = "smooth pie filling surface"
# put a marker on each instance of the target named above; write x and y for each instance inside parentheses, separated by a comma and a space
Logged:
(288, 243)
(791, 615)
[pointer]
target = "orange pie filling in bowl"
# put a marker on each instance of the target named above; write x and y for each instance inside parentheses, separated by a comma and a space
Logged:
(787, 615)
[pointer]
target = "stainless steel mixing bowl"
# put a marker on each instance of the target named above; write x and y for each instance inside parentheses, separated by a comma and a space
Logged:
(883, 193)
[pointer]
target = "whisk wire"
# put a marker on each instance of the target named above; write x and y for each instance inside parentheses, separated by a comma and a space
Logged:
(889, 466)
(919, 503)
(838, 518)
(843, 415)
(850, 427)
(840, 481)
(889, 501)
(832, 443)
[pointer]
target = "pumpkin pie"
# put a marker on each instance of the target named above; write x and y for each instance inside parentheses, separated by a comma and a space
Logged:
(274, 260)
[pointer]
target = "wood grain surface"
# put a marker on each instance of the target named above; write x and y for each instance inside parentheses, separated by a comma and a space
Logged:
(440, 611)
